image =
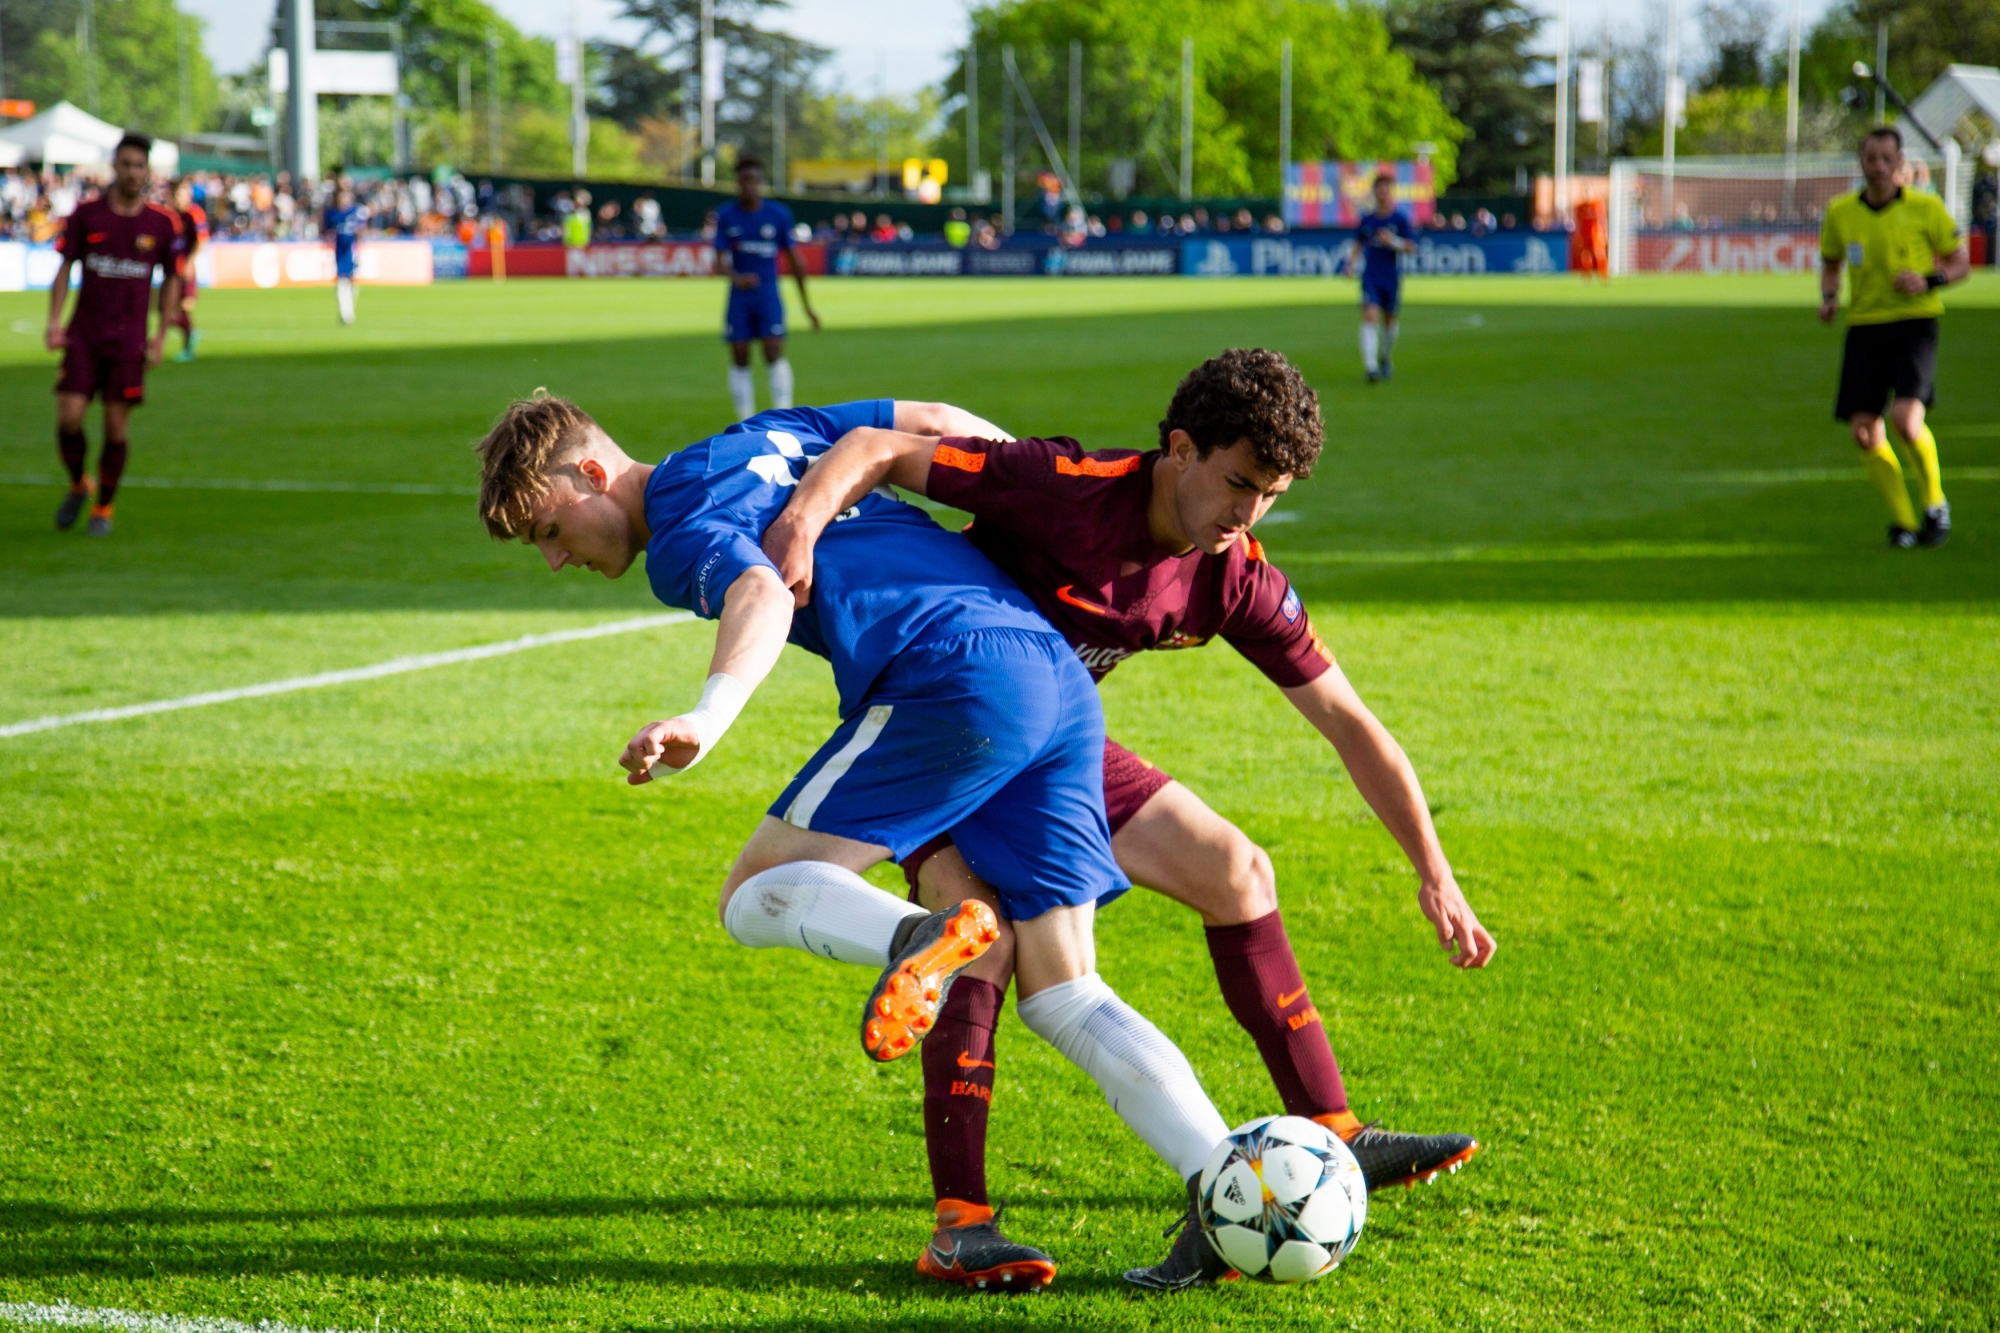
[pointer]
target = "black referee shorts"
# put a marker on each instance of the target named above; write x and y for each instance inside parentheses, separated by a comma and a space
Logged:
(1881, 360)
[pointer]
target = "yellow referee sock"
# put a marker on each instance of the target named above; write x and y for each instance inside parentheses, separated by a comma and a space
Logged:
(1887, 474)
(1923, 445)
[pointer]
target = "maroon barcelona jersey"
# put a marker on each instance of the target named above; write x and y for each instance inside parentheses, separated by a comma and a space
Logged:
(118, 255)
(1070, 528)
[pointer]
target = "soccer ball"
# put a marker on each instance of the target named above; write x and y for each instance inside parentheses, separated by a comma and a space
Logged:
(1283, 1199)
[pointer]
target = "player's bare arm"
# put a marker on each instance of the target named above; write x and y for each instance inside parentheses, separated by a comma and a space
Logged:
(58, 295)
(1383, 775)
(750, 634)
(170, 313)
(799, 276)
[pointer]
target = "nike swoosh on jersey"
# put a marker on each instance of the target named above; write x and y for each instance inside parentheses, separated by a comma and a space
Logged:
(1285, 1000)
(1063, 595)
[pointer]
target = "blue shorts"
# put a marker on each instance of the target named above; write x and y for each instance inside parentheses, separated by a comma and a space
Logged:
(1385, 292)
(343, 261)
(995, 737)
(757, 313)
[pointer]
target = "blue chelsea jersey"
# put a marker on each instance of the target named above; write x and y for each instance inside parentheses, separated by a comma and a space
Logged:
(344, 225)
(1379, 261)
(754, 238)
(885, 576)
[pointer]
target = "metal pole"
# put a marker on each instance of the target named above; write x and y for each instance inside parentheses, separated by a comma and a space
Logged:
(1007, 145)
(1792, 115)
(1562, 111)
(1187, 118)
(1076, 111)
(91, 59)
(1284, 113)
(181, 64)
(972, 116)
(1881, 69)
(465, 107)
(493, 102)
(399, 120)
(302, 104)
(579, 117)
(708, 82)
(1670, 107)
(778, 128)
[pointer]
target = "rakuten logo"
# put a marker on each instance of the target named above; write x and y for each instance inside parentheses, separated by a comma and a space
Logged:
(1100, 660)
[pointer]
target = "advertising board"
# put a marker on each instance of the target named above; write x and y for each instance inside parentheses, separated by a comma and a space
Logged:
(310, 263)
(1324, 254)
(1714, 252)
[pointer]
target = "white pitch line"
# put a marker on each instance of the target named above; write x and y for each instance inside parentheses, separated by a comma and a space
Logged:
(251, 484)
(1789, 476)
(64, 1315)
(395, 666)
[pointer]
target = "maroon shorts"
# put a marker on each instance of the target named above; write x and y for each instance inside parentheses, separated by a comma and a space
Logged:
(89, 371)
(1129, 782)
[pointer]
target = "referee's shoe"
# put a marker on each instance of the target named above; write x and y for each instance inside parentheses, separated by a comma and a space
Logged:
(1936, 530)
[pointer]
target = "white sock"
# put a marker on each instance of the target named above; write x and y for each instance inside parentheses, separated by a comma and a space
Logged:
(1147, 1080)
(819, 907)
(781, 383)
(344, 289)
(742, 392)
(1370, 341)
(1394, 327)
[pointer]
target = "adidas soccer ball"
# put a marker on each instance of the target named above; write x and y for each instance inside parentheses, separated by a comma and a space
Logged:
(1283, 1199)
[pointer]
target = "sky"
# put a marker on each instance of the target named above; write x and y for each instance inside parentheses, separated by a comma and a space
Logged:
(895, 45)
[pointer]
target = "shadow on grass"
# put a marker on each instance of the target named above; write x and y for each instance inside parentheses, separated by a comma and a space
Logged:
(42, 1240)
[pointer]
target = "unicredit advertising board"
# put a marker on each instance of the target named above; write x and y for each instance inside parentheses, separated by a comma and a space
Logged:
(1714, 252)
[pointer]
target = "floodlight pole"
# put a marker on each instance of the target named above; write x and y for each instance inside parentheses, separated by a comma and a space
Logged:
(1075, 112)
(399, 120)
(493, 101)
(1284, 113)
(301, 103)
(579, 118)
(1187, 118)
(1562, 112)
(1671, 109)
(972, 115)
(708, 81)
(181, 66)
(1792, 115)
(1007, 143)
(1881, 69)
(778, 125)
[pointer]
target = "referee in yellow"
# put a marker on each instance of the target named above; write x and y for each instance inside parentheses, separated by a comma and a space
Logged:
(1900, 248)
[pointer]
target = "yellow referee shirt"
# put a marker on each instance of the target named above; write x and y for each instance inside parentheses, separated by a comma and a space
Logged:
(1912, 231)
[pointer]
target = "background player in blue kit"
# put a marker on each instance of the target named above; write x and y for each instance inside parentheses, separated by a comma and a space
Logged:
(1379, 241)
(343, 225)
(749, 232)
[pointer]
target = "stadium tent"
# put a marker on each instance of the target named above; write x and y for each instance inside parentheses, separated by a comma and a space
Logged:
(67, 135)
(11, 154)
(1953, 108)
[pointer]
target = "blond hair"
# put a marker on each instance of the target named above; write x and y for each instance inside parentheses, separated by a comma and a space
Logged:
(532, 438)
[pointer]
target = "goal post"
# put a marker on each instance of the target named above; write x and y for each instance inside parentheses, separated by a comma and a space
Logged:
(1743, 214)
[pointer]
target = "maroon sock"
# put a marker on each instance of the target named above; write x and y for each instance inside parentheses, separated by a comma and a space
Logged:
(71, 444)
(958, 1089)
(110, 467)
(1261, 984)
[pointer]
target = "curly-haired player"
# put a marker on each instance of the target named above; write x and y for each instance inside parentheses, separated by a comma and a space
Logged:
(1126, 551)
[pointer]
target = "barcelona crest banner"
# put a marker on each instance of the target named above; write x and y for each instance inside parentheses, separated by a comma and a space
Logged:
(1336, 194)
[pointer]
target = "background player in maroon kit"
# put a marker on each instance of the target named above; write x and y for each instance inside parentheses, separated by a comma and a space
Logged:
(1128, 552)
(194, 235)
(118, 238)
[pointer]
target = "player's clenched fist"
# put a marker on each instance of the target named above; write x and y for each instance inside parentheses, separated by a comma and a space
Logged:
(674, 743)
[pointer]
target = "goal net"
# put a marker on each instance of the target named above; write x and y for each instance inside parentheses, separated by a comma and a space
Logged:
(1743, 214)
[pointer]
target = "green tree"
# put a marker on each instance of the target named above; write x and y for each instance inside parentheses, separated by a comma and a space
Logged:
(1478, 55)
(128, 72)
(1353, 96)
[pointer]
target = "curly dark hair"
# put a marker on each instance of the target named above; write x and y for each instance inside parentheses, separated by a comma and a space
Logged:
(1255, 395)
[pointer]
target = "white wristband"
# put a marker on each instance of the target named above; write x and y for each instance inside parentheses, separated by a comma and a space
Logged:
(722, 699)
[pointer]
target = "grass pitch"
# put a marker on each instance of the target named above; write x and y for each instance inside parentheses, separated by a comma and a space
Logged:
(388, 1002)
